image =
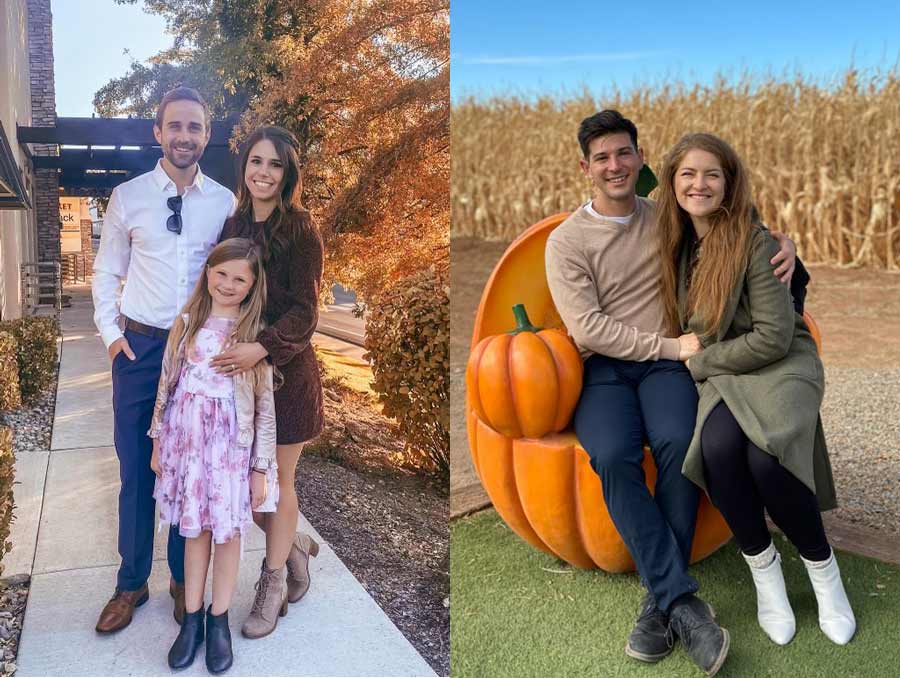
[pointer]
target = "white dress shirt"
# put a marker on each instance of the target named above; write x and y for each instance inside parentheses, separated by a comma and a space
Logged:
(160, 268)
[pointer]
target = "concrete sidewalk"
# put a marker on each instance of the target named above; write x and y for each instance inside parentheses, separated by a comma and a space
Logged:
(65, 537)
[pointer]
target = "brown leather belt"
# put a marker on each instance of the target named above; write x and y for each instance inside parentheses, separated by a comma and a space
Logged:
(146, 330)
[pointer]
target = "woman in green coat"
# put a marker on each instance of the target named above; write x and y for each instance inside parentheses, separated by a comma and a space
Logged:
(758, 444)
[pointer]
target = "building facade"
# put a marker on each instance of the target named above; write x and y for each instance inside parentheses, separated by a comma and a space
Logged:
(29, 197)
(18, 229)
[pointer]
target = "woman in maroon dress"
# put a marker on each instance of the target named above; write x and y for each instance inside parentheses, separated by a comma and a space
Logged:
(270, 214)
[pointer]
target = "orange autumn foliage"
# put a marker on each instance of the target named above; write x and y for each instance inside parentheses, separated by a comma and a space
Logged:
(367, 93)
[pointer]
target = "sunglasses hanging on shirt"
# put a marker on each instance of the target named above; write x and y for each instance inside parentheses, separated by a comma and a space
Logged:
(173, 223)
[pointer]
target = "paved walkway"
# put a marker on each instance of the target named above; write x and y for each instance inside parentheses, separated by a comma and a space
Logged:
(65, 537)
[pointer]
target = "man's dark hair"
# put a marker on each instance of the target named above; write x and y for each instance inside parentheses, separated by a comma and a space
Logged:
(181, 94)
(603, 123)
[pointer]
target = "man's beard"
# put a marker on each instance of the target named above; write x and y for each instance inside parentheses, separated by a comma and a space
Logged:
(169, 154)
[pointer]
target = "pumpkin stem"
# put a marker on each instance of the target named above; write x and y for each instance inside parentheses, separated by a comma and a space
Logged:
(523, 324)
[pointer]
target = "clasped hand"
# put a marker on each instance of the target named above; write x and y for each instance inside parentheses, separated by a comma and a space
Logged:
(238, 358)
(688, 346)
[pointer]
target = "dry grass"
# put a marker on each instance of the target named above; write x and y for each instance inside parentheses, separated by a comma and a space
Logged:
(824, 160)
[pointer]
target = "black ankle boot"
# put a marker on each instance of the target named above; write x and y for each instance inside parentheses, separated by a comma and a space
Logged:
(218, 642)
(652, 638)
(703, 639)
(190, 637)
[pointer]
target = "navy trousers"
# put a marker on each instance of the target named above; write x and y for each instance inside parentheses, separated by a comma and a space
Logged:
(134, 395)
(622, 405)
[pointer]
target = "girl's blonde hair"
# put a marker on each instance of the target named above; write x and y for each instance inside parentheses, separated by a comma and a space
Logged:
(724, 246)
(250, 319)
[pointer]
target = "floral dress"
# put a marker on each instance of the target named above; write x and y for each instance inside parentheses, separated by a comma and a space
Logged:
(205, 483)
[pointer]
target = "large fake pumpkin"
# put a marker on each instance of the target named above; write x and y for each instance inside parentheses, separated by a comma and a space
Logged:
(544, 486)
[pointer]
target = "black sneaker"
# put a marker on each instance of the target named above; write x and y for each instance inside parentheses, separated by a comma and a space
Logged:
(652, 638)
(704, 640)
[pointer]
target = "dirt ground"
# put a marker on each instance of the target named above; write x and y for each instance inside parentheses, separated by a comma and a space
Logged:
(858, 313)
(391, 531)
(385, 519)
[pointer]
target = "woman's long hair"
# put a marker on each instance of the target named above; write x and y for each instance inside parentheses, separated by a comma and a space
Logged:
(281, 226)
(250, 318)
(724, 246)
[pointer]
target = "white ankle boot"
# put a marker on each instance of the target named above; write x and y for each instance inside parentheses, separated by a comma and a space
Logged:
(773, 609)
(835, 616)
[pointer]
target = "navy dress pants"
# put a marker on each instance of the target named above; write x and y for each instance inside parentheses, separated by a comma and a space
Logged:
(134, 396)
(622, 405)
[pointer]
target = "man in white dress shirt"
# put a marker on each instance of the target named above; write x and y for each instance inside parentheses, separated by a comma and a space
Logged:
(157, 232)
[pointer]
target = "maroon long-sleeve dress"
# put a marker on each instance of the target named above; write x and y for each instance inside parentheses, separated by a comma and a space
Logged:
(292, 286)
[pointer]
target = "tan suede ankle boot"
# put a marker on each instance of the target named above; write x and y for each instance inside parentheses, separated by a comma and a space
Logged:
(270, 603)
(297, 564)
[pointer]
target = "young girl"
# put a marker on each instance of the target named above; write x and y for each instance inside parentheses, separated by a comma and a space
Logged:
(214, 441)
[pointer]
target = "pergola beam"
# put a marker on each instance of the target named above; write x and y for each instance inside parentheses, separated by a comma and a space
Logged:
(142, 160)
(72, 159)
(72, 163)
(109, 132)
(71, 181)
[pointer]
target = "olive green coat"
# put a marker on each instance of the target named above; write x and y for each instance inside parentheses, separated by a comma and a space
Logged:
(763, 363)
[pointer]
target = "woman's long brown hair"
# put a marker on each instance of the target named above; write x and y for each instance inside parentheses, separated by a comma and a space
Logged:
(250, 318)
(281, 227)
(724, 246)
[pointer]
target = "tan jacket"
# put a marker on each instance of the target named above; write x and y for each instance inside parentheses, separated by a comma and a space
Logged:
(255, 409)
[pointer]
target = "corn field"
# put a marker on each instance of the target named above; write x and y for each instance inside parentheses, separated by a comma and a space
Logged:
(824, 160)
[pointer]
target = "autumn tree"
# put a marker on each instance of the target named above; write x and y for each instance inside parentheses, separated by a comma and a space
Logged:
(371, 94)
(223, 48)
(364, 84)
(368, 95)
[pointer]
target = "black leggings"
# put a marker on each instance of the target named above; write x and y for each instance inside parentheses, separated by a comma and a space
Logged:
(744, 480)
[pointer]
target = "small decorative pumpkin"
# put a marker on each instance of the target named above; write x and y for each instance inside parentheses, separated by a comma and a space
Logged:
(544, 488)
(526, 382)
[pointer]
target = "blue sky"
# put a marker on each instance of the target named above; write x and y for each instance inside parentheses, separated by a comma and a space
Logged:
(89, 40)
(528, 47)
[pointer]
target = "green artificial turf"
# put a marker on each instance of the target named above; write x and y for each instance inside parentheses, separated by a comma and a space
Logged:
(518, 612)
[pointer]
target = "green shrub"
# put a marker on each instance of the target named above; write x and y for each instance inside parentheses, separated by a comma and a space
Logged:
(36, 337)
(10, 394)
(7, 477)
(408, 341)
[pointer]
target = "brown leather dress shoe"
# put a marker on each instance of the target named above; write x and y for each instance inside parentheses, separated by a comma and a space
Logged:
(176, 590)
(117, 613)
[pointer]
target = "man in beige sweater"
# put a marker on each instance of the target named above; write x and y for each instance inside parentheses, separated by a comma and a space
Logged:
(603, 270)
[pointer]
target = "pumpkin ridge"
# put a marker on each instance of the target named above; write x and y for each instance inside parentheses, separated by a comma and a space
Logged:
(510, 380)
(558, 365)
(498, 398)
(472, 369)
(544, 362)
(568, 372)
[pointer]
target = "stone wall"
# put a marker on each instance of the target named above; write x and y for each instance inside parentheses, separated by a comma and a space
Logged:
(43, 114)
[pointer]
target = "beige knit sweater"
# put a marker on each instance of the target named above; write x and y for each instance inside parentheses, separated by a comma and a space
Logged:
(604, 281)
